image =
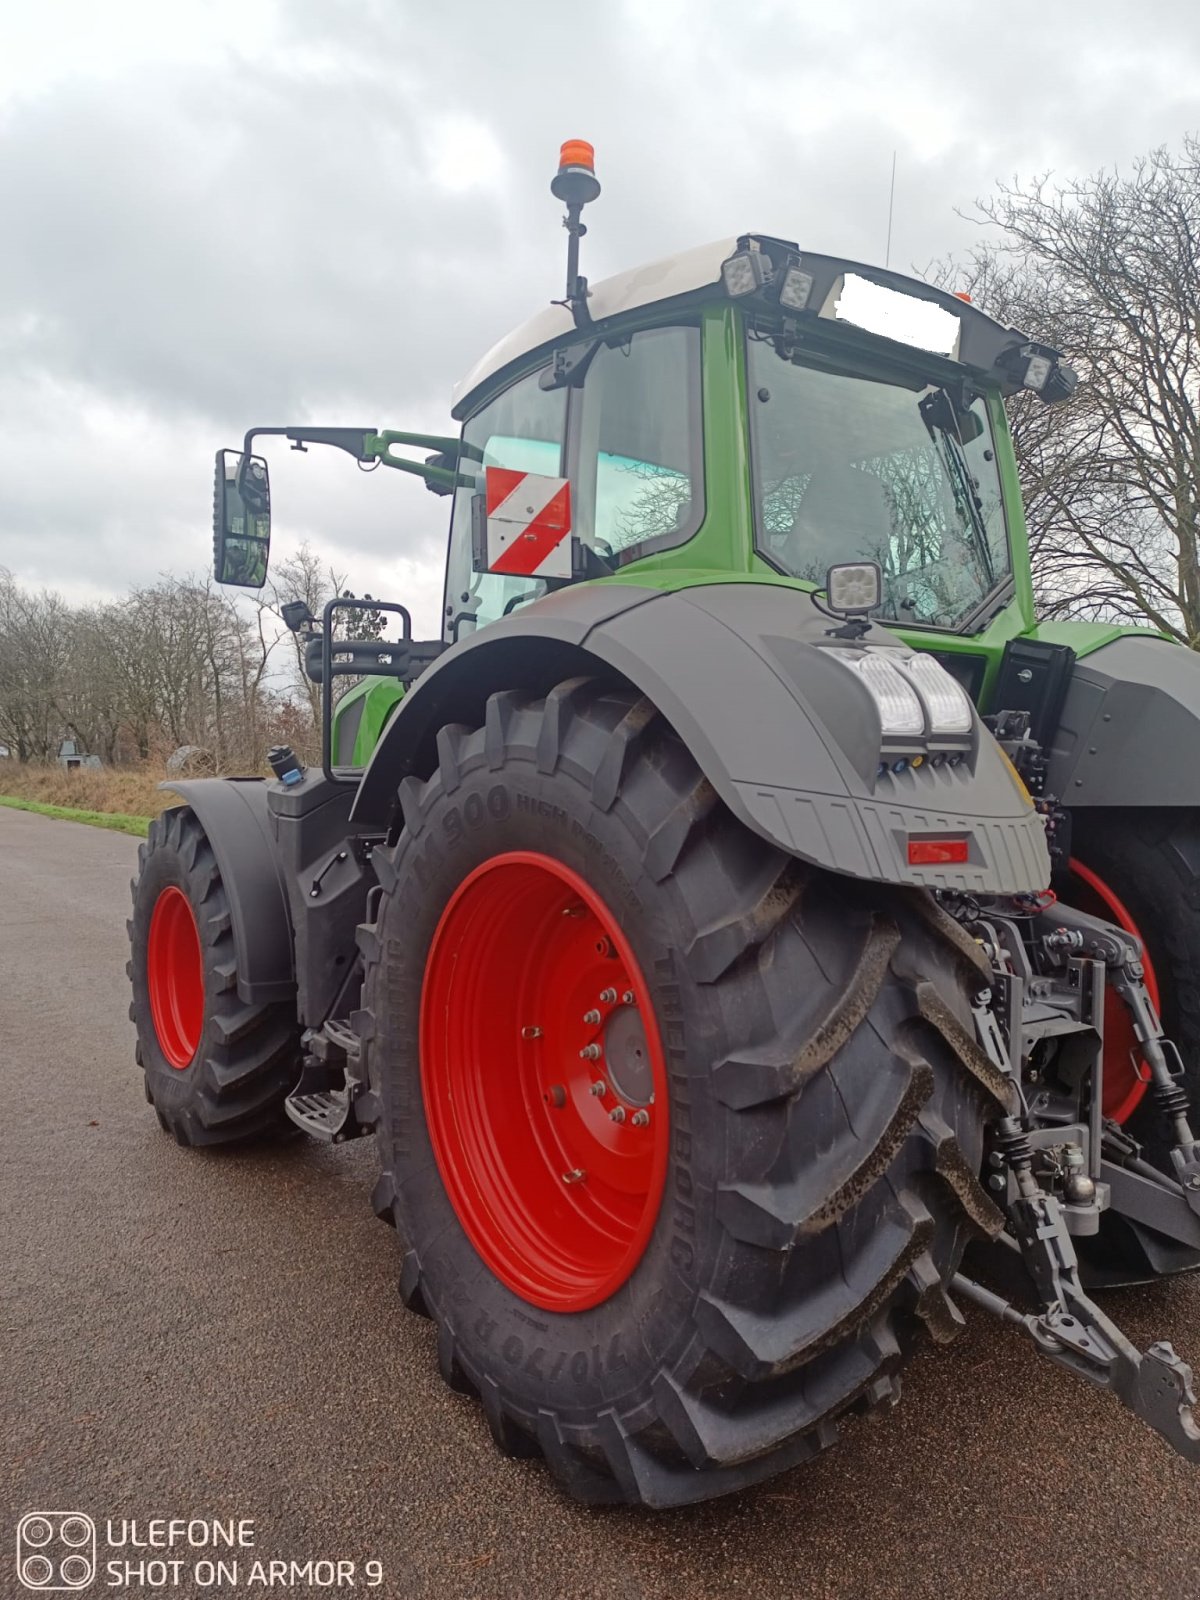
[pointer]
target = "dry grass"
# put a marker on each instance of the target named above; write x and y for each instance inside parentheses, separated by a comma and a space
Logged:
(127, 791)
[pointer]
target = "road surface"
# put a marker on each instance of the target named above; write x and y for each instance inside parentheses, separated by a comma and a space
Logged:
(191, 1335)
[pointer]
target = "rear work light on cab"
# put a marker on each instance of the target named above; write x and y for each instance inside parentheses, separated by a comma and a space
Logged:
(745, 273)
(748, 271)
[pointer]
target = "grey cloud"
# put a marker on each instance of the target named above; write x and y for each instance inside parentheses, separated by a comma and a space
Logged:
(268, 239)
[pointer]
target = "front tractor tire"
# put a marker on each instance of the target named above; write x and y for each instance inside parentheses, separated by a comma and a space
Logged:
(680, 1137)
(216, 1070)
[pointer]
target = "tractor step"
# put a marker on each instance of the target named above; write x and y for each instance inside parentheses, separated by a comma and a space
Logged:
(323, 1102)
(335, 1042)
(324, 1114)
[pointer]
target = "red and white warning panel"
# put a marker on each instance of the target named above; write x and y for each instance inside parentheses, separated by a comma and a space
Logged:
(528, 524)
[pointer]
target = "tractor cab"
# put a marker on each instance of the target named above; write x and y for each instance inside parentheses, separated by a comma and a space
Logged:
(747, 408)
(743, 411)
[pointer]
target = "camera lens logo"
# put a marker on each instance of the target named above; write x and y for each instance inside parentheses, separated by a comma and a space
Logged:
(56, 1550)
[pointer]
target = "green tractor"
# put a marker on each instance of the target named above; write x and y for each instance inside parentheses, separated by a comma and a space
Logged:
(745, 930)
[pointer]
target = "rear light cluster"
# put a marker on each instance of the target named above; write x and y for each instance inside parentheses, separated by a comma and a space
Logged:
(913, 693)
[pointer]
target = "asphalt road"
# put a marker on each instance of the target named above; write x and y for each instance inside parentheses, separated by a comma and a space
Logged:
(196, 1335)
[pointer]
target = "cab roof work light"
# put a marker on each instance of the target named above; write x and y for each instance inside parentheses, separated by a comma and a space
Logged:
(747, 271)
(1040, 369)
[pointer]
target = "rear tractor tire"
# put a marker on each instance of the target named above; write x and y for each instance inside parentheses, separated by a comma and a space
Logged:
(216, 1070)
(680, 1137)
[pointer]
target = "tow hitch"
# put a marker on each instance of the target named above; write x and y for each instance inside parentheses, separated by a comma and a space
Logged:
(1156, 1385)
(1051, 979)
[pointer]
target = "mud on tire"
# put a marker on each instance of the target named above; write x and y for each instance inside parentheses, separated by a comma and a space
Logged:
(827, 1107)
(245, 1058)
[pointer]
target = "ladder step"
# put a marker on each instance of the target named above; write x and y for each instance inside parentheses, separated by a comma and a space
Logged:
(323, 1114)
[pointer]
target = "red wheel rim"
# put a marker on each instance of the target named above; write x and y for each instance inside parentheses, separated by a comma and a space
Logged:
(1125, 1074)
(175, 977)
(532, 997)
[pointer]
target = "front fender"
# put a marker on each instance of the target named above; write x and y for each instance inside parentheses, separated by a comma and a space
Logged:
(787, 737)
(233, 813)
(1129, 733)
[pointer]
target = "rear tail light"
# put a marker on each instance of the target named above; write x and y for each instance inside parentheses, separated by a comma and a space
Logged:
(937, 852)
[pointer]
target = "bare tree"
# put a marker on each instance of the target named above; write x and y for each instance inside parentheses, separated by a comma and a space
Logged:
(302, 577)
(173, 663)
(1107, 269)
(33, 644)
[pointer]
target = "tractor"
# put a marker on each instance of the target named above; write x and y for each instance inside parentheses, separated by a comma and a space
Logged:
(748, 933)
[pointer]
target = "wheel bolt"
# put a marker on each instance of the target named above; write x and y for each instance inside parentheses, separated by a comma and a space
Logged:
(641, 1119)
(617, 1114)
(531, 1033)
(591, 1017)
(599, 1088)
(590, 1052)
(608, 997)
(627, 998)
(576, 1175)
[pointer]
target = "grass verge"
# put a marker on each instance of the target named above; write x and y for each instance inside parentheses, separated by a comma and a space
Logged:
(115, 820)
(127, 791)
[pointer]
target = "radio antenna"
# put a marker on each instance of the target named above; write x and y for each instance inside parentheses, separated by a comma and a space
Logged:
(887, 255)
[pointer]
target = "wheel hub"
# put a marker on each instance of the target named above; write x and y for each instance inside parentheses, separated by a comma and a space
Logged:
(544, 1081)
(626, 1056)
(175, 977)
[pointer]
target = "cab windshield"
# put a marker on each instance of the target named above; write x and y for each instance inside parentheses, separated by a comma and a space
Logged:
(851, 467)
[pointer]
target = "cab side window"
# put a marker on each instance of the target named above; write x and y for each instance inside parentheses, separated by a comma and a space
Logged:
(524, 429)
(640, 481)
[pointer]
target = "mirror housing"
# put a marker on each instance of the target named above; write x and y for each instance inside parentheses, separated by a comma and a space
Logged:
(241, 519)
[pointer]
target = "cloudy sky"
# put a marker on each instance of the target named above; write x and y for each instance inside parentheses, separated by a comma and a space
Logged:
(228, 212)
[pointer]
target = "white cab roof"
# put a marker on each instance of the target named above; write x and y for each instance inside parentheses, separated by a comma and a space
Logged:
(627, 291)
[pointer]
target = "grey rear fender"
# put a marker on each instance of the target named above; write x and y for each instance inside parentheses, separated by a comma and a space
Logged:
(233, 813)
(1129, 733)
(788, 738)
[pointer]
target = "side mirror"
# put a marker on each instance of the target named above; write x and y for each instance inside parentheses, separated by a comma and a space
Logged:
(241, 519)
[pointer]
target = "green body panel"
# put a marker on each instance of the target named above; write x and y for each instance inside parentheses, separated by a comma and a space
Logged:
(1084, 637)
(723, 548)
(379, 697)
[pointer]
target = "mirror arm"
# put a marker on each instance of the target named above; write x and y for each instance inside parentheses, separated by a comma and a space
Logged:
(352, 440)
(379, 447)
(365, 445)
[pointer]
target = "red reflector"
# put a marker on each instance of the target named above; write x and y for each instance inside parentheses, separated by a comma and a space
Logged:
(937, 852)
